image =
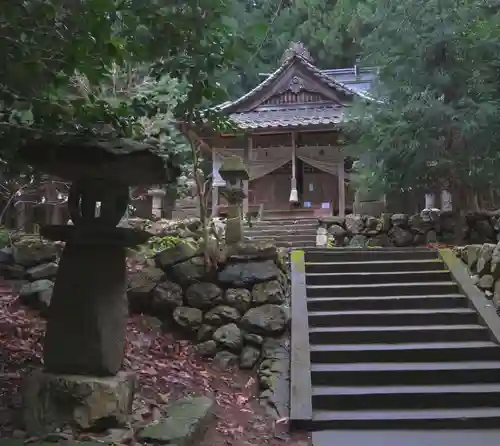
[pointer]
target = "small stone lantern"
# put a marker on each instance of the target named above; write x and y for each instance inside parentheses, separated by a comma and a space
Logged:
(157, 195)
(88, 312)
(234, 172)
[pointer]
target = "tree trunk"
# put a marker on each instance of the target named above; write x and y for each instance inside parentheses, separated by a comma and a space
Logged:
(459, 198)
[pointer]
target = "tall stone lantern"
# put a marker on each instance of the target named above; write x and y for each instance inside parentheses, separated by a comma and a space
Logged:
(85, 336)
(234, 172)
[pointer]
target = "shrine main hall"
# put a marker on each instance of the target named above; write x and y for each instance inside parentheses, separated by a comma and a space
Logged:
(287, 131)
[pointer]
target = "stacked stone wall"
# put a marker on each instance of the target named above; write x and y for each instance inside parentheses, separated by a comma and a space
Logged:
(236, 311)
(403, 230)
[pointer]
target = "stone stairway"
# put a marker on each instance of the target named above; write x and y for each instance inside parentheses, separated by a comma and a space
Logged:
(393, 346)
(287, 233)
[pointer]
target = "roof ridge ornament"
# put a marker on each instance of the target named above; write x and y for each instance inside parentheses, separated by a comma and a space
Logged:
(296, 85)
(299, 49)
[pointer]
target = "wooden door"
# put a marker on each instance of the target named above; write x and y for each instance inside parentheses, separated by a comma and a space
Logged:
(272, 190)
(282, 180)
(319, 187)
(282, 184)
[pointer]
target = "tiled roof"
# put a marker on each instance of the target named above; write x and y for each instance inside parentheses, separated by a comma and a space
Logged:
(288, 116)
(328, 80)
(292, 115)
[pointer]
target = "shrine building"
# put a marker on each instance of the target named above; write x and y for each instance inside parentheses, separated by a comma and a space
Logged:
(288, 134)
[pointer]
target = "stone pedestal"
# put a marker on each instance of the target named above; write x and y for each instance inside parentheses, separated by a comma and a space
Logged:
(234, 224)
(83, 402)
(87, 318)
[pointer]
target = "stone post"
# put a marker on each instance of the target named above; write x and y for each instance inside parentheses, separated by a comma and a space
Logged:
(234, 172)
(430, 201)
(446, 201)
(322, 237)
(157, 196)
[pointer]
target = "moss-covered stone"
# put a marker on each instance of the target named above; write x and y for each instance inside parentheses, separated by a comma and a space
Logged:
(186, 422)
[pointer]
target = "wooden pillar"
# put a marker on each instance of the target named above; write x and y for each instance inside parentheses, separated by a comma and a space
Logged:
(247, 156)
(21, 215)
(52, 205)
(294, 196)
(215, 201)
(48, 193)
(215, 189)
(341, 178)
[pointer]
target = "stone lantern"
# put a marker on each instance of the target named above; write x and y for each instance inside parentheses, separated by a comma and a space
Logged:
(234, 172)
(85, 337)
(157, 195)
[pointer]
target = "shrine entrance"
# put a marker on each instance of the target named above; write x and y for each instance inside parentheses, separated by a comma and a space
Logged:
(316, 189)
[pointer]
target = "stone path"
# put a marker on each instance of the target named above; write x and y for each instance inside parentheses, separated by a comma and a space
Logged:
(287, 233)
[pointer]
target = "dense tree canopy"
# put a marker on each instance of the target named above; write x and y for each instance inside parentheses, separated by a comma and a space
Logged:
(436, 123)
(131, 67)
(62, 59)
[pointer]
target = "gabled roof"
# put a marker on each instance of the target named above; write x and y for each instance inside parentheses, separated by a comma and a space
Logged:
(297, 94)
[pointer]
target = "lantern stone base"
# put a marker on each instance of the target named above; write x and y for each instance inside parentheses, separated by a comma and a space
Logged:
(52, 401)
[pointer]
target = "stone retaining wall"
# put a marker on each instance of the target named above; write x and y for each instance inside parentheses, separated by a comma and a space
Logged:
(229, 311)
(402, 230)
(483, 262)
(236, 312)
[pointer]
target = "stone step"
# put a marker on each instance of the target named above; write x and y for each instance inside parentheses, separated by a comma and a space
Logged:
(288, 221)
(284, 238)
(398, 334)
(394, 344)
(386, 302)
(358, 278)
(405, 396)
(402, 373)
(296, 244)
(407, 437)
(385, 289)
(286, 230)
(298, 214)
(457, 316)
(375, 266)
(281, 230)
(476, 418)
(411, 352)
(363, 255)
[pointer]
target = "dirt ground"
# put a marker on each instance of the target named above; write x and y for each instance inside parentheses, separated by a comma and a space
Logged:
(167, 369)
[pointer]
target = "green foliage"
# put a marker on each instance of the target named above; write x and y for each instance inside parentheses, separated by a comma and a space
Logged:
(326, 28)
(4, 237)
(157, 244)
(330, 241)
(437, 121)
(154, 245)
(58, 55)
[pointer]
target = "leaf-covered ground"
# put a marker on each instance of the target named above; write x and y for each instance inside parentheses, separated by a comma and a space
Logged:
(167, 369)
